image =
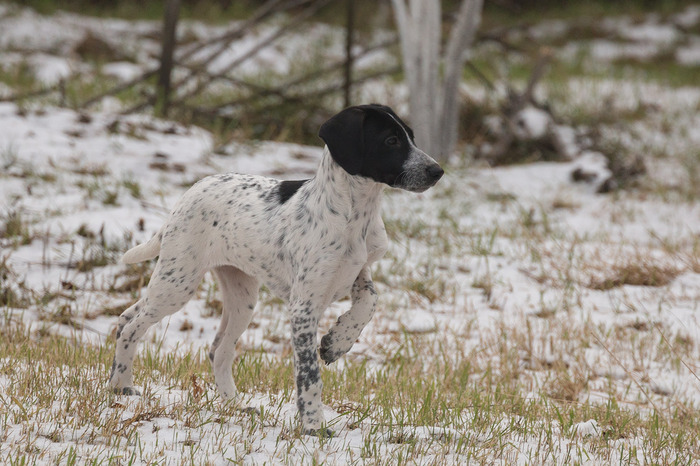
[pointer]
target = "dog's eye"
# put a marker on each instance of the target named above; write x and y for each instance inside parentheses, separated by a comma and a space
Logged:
(392, 141)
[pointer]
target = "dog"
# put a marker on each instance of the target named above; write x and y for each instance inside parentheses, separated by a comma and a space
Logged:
(311, 242)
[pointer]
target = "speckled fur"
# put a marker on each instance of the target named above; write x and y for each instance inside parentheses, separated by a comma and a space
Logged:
(310, 250)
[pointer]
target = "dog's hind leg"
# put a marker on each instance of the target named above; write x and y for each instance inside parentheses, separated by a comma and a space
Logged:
(240, 293)
(168, 290)
(120, 377)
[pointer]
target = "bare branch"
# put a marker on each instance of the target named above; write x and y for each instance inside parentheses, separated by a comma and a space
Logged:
(512, 107)
(296, 21)
(209, 78)
(282, 90)
(226, 37)
(120, 88)
(304, 97)
(542, 61)
(464, 31)
(30, 94)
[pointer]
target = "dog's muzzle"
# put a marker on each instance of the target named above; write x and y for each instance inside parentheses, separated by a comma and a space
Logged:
(433, 173)
(420, 173)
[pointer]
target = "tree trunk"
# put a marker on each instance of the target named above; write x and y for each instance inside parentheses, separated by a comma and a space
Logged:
(172, 13)
(434, 96)
(349, 39)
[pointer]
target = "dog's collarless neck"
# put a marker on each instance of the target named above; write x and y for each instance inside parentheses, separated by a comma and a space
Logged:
(348, 194)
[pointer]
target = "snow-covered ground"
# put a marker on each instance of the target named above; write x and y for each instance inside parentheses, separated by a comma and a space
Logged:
(605, 286)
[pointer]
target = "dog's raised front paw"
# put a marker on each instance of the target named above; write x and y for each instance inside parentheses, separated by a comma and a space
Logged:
(326, 350)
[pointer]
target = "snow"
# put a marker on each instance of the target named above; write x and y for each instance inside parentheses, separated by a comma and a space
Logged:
(136, 46)
(595, 164)
(511, 248)
(57, 147)
(607, 50)
(19, 32)
(5, 90)
(417, 321)
(49, 70)
(649, 32)
(588, 428)
(628, 39)
(533, 122)
(689, 54)
(124, 71)
(548, 29)
(687, 18)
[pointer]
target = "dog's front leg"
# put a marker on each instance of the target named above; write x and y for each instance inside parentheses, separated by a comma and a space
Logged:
(304, 320)
(347, 329)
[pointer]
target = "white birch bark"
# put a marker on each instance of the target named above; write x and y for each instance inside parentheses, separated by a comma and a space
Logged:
(433, 78)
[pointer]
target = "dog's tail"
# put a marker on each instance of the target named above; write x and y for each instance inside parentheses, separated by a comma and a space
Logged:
(145, 251)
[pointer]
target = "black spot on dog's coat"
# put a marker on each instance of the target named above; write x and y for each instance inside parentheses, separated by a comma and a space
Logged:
(287, 189)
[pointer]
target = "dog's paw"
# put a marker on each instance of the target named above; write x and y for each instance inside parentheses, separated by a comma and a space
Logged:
(323, 432)
(326, 350)
(129, 391)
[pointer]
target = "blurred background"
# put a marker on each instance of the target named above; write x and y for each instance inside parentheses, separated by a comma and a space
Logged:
(276, 70)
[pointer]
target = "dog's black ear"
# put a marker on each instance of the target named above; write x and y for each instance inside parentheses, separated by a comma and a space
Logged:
(344, 137)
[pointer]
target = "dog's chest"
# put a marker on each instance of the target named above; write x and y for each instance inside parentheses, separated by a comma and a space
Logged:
(329, 258)
(349, 266)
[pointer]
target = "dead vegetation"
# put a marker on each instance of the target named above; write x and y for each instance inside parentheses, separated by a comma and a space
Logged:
(636, 272)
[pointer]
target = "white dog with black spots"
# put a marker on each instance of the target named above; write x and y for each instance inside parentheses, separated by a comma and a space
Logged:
(311, 242)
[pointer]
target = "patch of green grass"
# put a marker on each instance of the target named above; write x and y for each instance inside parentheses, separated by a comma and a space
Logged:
(20, 77)
(134, 188)
(132, 279)
(664, 70)
(475, 406)
(257, 114)
(153, 10)
(97, 251)
(111, 198)
(79, 89)
(415, 228)
(691, 164)
(532, 11)
(484, 243)
(430, 287)
(15, 228)
(9, 156)
(12, 293)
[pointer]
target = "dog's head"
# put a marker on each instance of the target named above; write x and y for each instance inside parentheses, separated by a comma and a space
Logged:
(373, 142)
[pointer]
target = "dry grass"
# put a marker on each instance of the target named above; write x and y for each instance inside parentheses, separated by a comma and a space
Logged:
(640, 272)
(538, 329)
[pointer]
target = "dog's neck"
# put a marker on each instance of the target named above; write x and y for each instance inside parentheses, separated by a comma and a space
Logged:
(348, 193)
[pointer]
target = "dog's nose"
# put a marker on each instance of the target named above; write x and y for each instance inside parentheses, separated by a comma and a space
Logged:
(435, 172)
